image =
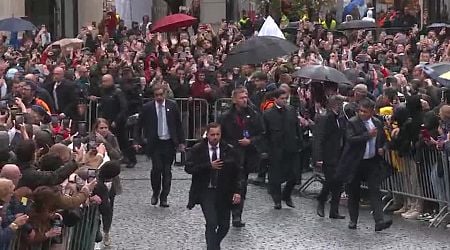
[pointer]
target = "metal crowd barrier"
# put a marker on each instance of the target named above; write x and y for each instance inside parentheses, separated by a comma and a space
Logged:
(194, 114)
(79, 237)
(422, 176)
(221, 106)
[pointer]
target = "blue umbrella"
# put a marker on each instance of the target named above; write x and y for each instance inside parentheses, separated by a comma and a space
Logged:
(16, 24)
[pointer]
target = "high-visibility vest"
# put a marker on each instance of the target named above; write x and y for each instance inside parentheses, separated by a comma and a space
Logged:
(332, 26)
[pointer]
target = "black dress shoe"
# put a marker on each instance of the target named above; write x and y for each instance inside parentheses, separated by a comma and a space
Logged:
(238, 224)
(154, 200)
(321, 209)
(337, 216)
(163, 204)
(289, 203)
(277, 205)
(383, 225)
(352, 225)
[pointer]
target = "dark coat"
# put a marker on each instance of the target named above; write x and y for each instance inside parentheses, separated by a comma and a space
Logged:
(232, 132)
(198, 164)
(356, 137)
(284, 137)
(67, 97)
(113, 106)
(148, 122)
(33, 178)
(328, 138)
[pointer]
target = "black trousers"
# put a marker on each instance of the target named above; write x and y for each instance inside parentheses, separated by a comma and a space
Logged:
(161, 173)
(122, 134)
(237, 209)
(370, 172)
(107, 215)
(275, 190)
(216, 210)
(330, 186)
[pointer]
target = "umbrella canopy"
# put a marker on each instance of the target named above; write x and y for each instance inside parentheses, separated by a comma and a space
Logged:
(173, 22)
(322, 73)
(16, 24)
(69, 42)
(438, 25)
(257, 50)
(356, 25)
(439, 72)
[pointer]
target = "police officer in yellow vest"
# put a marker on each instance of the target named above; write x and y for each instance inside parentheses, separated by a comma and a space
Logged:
(329, 23)
(246, 25)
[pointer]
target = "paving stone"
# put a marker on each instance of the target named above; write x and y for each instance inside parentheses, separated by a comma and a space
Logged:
(138, 225)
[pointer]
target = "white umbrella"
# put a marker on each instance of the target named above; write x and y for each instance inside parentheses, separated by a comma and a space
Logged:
(270, 28)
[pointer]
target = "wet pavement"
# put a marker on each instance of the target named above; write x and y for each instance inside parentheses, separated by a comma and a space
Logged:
(139, 225)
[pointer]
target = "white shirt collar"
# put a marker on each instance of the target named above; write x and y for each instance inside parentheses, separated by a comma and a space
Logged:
(211, 146)
(163, 104)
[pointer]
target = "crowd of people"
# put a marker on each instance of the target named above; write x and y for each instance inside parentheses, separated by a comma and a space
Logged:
(278, 125)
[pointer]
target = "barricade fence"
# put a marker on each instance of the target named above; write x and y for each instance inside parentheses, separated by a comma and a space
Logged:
(79, 237)
(423, 175)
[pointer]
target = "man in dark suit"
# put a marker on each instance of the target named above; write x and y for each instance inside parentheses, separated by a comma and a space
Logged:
(242, 127)
(327, 148)
(361, 160)
(284, 137)
(216, 177)
(161, 122)
(64, 94)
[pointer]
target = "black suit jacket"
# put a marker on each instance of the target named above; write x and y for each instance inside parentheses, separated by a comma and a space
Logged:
(232, 132)
(148, 123)
(328, 138)
(356, 137)
(67, 97)
(198, 164)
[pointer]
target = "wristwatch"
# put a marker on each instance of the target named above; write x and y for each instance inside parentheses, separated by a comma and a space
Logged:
(14, 226)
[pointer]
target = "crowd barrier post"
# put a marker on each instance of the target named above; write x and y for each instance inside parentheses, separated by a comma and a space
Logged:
(194, 114)
(79, 237)
(221, 106)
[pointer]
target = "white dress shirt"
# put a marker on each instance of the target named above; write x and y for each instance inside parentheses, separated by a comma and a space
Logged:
(163, 133)
(371, 143)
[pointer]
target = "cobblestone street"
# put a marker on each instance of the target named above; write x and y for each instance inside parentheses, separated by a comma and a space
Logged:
(138, 225)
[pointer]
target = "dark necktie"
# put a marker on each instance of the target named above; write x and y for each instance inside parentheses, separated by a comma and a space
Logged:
(214, 172)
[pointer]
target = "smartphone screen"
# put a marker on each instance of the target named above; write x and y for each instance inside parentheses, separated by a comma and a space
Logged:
(91, 175)
(82, 128)
(76, 144)
(54, 119)
(66, 123)
(19, 119)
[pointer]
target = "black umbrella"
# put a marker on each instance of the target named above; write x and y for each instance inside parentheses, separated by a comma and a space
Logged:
(257, 50)
(16, 24)
(438, 71)
(357, 25)
(322, 73)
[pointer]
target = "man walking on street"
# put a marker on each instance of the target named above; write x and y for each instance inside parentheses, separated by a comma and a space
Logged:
(361, 161)
(216, 177)
(160, 120)
(328, 143)
(283, 135)
(242, 127)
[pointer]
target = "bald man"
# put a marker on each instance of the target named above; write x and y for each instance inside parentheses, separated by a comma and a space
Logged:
(11, 172)
(64, 94)
(113, 106)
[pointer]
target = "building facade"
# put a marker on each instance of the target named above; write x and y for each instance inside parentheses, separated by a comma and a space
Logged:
(63, 18)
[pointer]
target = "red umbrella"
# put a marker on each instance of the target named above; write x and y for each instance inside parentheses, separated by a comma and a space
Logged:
(173, 22)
